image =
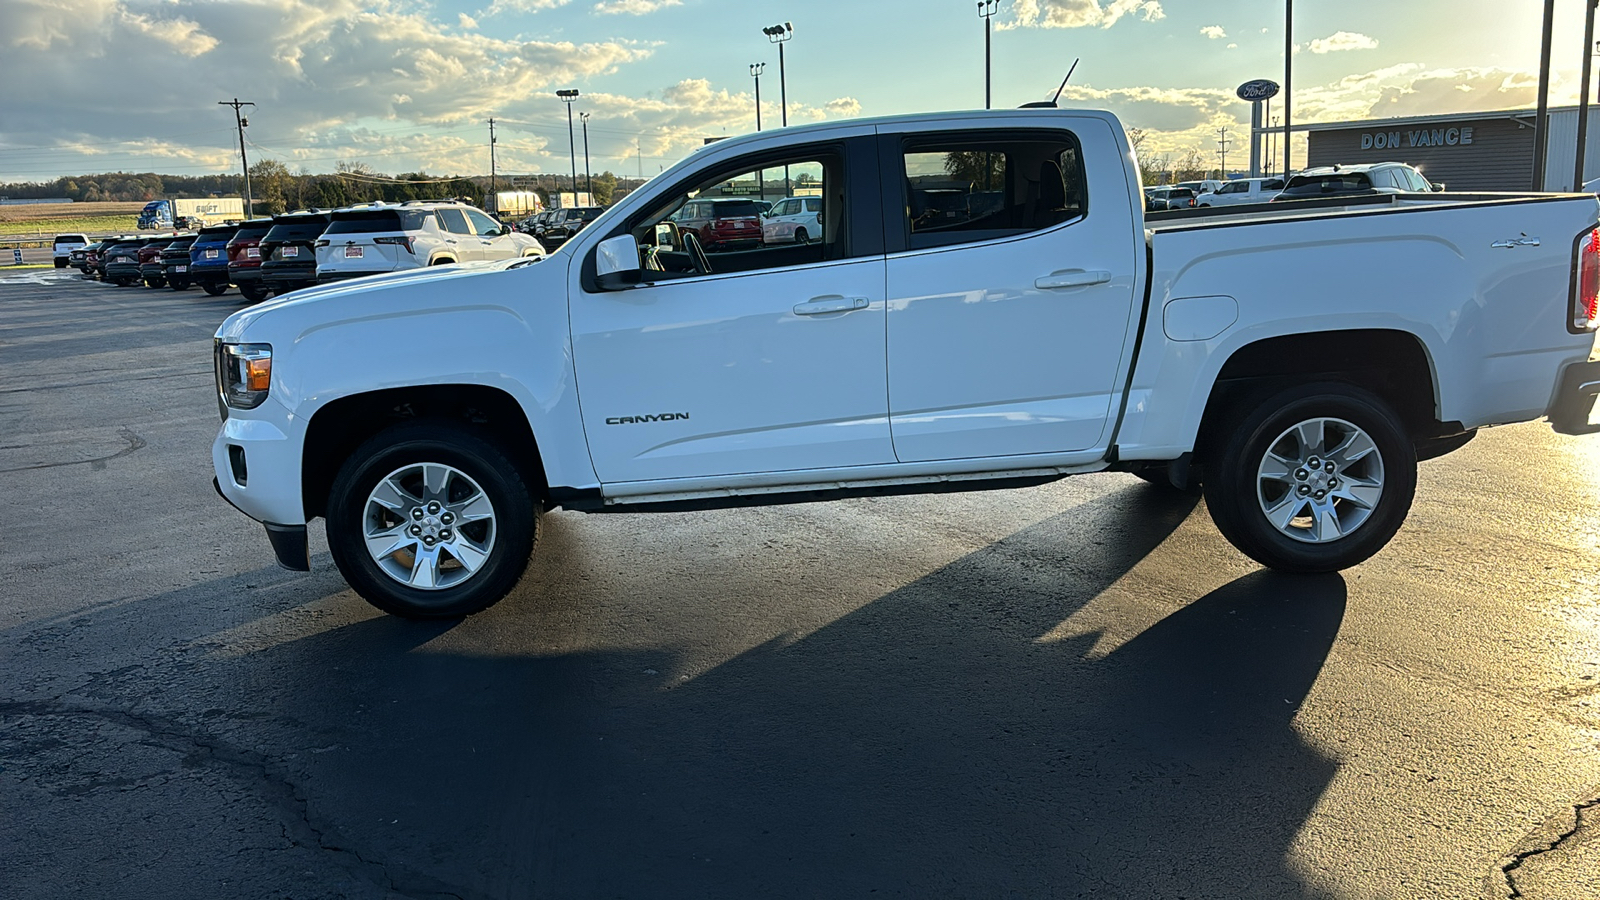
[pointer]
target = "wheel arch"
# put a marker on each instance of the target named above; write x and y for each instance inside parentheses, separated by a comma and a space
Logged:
(1393, 364)
(339, 426)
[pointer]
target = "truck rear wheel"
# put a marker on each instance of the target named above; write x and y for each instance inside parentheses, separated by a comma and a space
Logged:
(216, 290)
(1317, 478)
(427, 520)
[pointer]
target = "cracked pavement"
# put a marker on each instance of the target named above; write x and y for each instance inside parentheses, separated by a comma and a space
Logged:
(1068, 691)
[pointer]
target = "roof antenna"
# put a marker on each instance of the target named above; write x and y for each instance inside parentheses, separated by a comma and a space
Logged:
(1051, 103)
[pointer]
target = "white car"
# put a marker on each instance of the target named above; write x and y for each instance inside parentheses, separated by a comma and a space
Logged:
(1039, 329)
(1201, 188)
(1241, 191)
(793, 220)
(376, 238)
(65, 244)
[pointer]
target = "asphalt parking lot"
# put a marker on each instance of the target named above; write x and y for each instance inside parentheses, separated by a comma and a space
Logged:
(1068, 691)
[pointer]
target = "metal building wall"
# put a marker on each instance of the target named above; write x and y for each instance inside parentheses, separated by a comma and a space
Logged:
(1500, 157)
(1563, 149)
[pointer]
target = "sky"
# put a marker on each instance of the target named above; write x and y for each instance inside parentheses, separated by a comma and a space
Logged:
(409, 85)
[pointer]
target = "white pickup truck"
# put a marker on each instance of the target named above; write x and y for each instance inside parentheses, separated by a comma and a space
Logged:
(988, 307)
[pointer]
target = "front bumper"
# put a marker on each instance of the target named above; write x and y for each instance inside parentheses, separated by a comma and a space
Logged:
(1574, 401)
(289, 542)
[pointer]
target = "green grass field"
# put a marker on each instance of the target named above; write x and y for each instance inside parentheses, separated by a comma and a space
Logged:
(92, 225)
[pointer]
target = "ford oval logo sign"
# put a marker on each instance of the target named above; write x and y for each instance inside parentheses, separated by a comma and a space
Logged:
(1258, 90)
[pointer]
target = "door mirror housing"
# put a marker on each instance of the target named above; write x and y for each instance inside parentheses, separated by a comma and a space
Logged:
(1437, 186)
(616, 263)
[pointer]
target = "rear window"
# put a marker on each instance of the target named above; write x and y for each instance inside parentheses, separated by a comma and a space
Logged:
(377, 220)
(71, 239)
(251, 231)
(216, 233)
(724, 209)
(1328, 184)
(299, 230)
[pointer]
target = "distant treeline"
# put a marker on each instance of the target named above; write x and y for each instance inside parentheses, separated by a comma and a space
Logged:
(275, 189)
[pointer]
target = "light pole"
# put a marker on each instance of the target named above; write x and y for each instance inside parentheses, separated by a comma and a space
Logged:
(1288, 81)
(240, 121)
(755, 72)
(986, 9)
(780, 35)
(588, 176)
(493, 185)
(1583, 97)
(1541, 117)
(567, 97)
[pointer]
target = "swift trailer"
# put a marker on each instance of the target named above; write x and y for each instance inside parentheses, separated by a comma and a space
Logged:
(190, 214)
(986, 306)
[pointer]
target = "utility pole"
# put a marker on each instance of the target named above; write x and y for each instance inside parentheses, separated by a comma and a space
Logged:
(493, 184)
(241, 121)
(1583, 96)
(567, 97)
(1541, 117)
(588, 176)
(1224, 144)
(986, 9)
(1288, 83)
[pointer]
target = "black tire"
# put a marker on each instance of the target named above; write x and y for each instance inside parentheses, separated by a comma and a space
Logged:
(515, 521)
(215, 290)
(254, 293)
(801, 237)
(178, 284)
(1237, 498)
(122, 282)
(61, 264)
(153, 283)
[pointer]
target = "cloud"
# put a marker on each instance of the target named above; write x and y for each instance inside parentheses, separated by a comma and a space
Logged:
(1079, 13)
(466, 21)
(843, 107)
(1233, 46)
(1213, 31)
(633, 7)
(524, 7)
(1343, 40)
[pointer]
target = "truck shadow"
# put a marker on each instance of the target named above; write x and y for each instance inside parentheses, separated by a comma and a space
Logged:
(928, 744)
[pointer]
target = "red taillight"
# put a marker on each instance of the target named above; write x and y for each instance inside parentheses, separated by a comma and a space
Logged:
(1586, 299)
(402, 241)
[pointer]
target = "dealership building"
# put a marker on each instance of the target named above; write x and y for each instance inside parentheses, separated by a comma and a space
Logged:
(1487, 151)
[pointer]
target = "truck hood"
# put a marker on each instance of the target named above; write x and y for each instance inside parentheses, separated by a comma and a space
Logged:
(497, 282)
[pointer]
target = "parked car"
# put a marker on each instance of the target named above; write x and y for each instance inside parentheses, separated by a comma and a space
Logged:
(122, 261)
(722, 224)
(79, 258)
(793, 220)
(1204, 186)
(244, 259)
(65, 244)
(175, 262)
(1063, 335)
(1163, 198)
(289, 250)
(389, 237)
(151, 271)
(566, 223)
(1241, 191)
(94, 258)
(1362, 179)
(208, 258)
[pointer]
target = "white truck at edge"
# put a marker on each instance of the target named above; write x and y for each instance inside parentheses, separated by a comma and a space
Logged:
(1302, 358)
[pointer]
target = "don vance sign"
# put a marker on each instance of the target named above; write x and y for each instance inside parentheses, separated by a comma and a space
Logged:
(1422, 137)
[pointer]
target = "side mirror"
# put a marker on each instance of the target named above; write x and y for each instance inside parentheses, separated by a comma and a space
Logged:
(1437, 185)
(616, 263)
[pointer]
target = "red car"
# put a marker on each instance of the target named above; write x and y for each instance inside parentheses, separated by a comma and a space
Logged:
(722, 224)
(244, 259)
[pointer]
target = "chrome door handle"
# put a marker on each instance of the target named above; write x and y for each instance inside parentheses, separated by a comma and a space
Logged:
(1071, 278)
(817, 306)
(1512, 243)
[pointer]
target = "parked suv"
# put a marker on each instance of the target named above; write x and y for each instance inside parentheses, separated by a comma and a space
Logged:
(122, 261)
(568, 222)
(390, 237)
(289, 250)
(208, 258)
(1357, 180)
(65, 244)
(1157, 199)
(150, 269)
(1242, 190)
(722, 224)
(244, 259)
(795, 220)
(175, 262)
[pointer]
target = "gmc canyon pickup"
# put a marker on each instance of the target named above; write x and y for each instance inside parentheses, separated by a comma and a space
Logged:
(988, 307)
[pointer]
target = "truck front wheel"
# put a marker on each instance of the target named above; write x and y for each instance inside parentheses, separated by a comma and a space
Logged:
(1317, 478)
(427, 520)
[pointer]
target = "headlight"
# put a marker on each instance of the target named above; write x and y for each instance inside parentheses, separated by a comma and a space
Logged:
(244, 373)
